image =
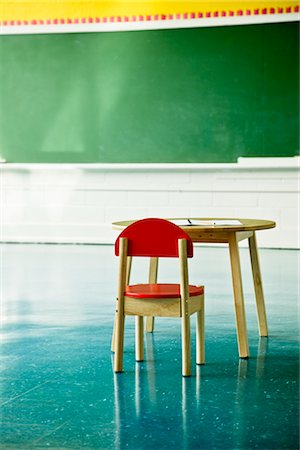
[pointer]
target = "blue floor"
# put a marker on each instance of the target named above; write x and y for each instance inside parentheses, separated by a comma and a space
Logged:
(58, 390)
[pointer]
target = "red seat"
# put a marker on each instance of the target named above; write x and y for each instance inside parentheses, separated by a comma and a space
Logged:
(157, 238)
(160, 291)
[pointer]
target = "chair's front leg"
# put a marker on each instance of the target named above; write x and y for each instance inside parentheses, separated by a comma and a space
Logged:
(113, 338)
(200, 334)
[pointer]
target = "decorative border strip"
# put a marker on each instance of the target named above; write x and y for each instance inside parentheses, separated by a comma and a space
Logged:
(155, 17)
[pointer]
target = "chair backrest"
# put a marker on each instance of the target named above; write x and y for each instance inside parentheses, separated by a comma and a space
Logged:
(154, 238)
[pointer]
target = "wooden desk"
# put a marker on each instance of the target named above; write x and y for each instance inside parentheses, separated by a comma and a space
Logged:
(230, 235)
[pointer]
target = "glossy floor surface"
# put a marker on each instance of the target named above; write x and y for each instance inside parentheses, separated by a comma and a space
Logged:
(58, 390)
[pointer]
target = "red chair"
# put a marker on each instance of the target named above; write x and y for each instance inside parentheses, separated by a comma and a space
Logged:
(157, 238)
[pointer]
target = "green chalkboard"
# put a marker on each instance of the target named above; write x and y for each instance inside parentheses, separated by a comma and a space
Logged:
(187, 95)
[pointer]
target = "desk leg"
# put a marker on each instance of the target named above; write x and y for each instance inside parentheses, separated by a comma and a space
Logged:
(259, 294)
(128, 270)
(238, 296)
(152, 279)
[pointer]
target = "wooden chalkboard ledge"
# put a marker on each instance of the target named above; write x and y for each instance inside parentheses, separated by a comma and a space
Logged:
(242, 164)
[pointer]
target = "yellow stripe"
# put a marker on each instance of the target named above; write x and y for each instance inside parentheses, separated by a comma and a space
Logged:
(13, 10)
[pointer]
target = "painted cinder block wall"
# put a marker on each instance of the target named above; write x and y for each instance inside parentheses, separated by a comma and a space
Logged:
(77, 203)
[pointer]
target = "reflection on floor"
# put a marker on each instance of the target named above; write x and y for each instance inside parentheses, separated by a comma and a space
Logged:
(58, 390)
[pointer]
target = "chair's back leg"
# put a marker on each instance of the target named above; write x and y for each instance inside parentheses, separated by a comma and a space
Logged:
(184, 292)
(139, 338)
(120, 318)
(153, 268)
(186, 345)
(128, 271)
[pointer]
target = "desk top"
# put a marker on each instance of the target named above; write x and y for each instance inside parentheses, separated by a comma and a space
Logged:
(215, 233)
(245, 225)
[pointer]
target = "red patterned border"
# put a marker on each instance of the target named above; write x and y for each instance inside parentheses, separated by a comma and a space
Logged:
(156, 17)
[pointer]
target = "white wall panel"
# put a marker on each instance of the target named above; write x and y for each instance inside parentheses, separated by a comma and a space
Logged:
(77, 203)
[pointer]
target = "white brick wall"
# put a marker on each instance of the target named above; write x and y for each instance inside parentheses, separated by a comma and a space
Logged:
(77, 203)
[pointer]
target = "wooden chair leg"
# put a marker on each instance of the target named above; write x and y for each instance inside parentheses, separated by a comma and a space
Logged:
(200, 335)
(149, 324)
(186, 345)
(139, 338)
(153, 268)
(113, 338)
(119, 342)
(128, 272)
